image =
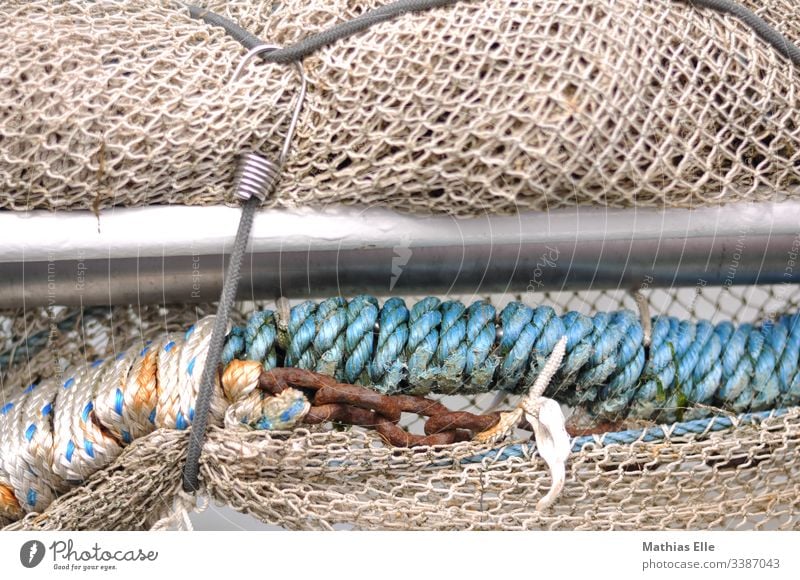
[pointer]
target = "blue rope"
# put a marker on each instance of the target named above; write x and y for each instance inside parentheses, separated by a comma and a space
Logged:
(648, 435)
(362, 315)
(445, 347)
(386, 369)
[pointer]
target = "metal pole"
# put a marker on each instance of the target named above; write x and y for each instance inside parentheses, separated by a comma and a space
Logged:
(176, 254)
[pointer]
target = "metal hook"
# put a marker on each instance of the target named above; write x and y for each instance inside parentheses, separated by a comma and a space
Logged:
(257, 176)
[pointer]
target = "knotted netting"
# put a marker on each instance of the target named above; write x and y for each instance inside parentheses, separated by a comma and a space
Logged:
(473, 108)
(744, 476)
(478, 107)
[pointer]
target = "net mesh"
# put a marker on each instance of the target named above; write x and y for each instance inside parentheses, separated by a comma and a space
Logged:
(481, 107)
(747, 477)
(491, 107)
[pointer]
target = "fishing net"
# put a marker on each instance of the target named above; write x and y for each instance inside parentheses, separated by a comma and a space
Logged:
(480, 107)
(744, 477)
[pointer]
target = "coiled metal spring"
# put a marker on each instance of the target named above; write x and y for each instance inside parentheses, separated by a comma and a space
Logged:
(256, 176)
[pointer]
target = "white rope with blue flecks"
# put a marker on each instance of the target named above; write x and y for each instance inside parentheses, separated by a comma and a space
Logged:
(55, 434)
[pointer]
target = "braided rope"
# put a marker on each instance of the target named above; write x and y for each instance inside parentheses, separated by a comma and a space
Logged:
(55, 434)
(26, 449)
(447, 348)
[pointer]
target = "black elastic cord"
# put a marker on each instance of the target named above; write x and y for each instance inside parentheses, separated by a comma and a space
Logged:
(312, 43)
(244, 37)
(288, 55)
(316, 41)
(760, 26)
(218, 332)
(296, 53)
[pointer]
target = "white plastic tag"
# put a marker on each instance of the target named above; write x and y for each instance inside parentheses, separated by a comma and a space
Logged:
(552, 441)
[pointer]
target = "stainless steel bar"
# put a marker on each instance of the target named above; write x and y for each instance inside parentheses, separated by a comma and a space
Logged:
(176, 254)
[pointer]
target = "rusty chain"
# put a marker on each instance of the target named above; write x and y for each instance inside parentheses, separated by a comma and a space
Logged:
(357, 405)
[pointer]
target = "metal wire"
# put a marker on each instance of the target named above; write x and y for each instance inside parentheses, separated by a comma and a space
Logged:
(268, 48)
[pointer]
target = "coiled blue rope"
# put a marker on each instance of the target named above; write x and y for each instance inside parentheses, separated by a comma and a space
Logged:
(445, 347)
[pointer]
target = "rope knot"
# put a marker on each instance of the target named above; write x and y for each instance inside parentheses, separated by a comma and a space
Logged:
(251, 406)
(547, 421)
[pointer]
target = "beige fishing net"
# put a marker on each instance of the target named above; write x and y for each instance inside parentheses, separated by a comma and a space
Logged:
(485, 106)
(491, 106)
(746, 477)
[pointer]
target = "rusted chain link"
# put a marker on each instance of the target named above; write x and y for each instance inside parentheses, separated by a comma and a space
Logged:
(357, 405)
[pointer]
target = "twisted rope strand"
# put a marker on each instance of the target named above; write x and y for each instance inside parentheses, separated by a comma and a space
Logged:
(55, 434)
(444, 347)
